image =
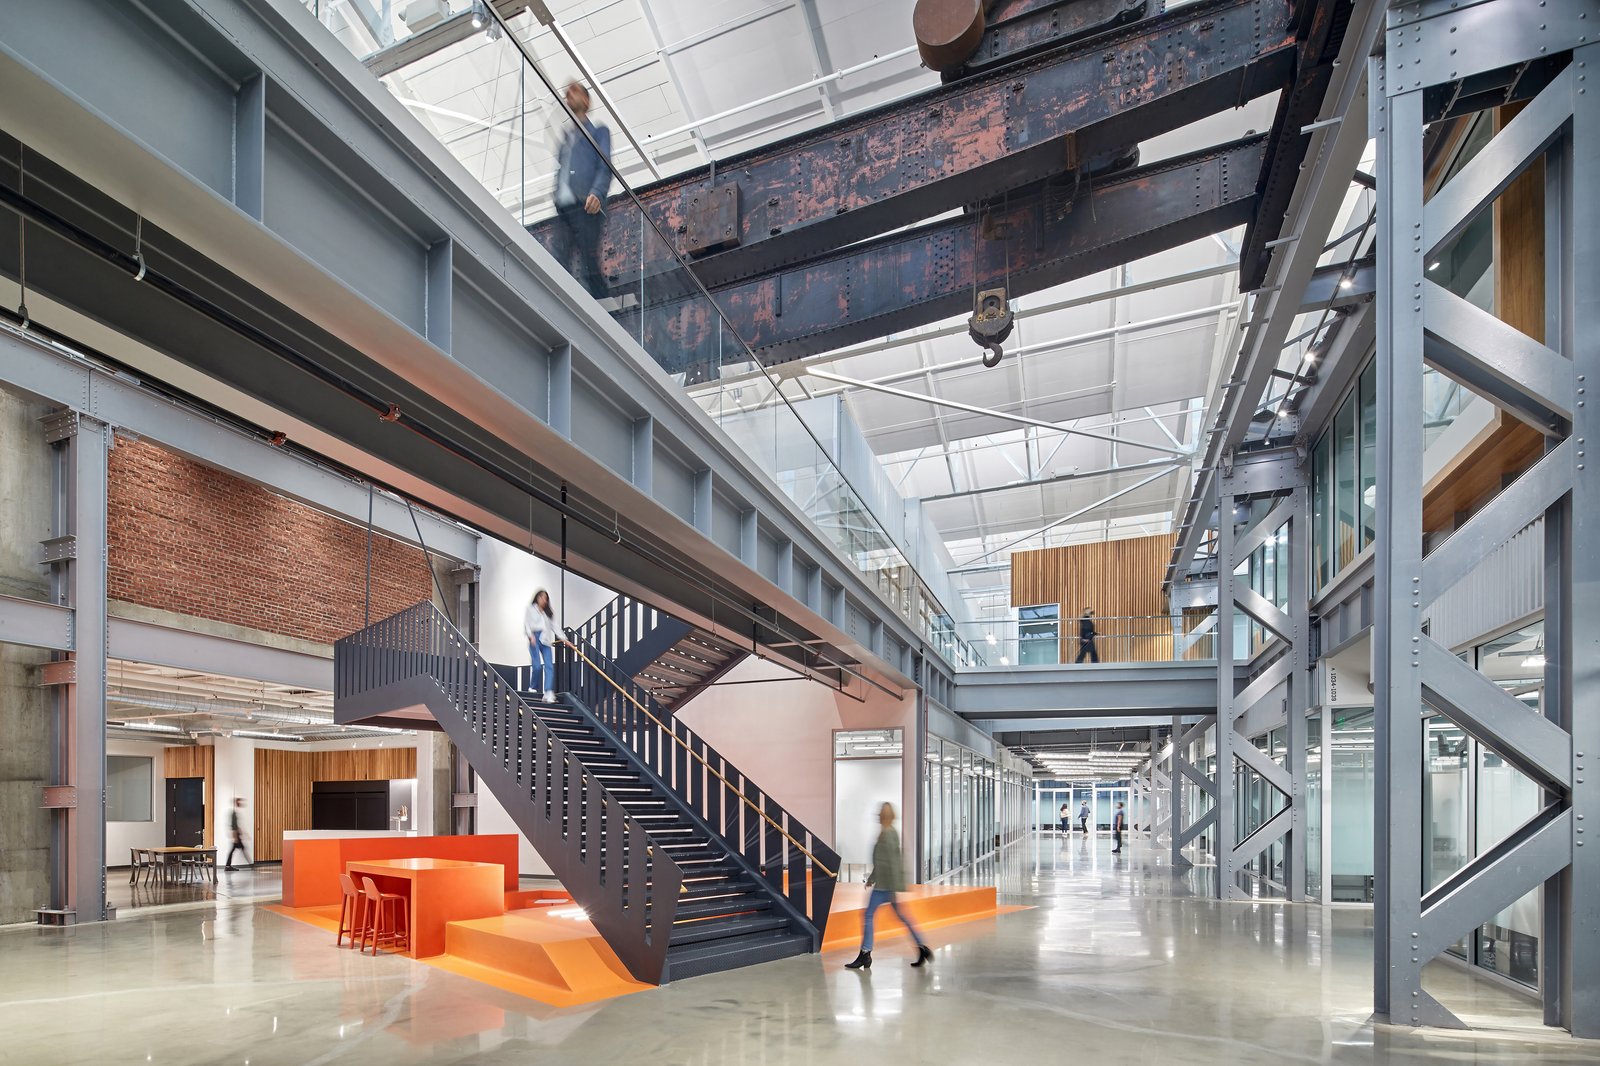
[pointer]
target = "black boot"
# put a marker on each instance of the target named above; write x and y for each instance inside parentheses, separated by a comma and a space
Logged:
(923, 955)
(863, 962)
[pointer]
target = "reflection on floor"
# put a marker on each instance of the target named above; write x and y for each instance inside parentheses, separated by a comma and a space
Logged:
(1112, 963)
(247, 884)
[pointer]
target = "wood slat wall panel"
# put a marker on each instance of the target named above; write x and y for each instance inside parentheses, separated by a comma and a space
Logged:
(196, 761)
(284, 779)
(1119, 579)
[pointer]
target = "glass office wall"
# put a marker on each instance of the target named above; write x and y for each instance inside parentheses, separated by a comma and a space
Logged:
(1314, 835)
(1352, 777)
(971, 806)
(1039, 635)
(1344, 476)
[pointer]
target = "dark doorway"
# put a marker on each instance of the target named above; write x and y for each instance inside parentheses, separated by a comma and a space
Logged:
(186, 812)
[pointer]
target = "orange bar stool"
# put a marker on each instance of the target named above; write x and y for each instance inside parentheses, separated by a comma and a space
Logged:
(396, 933)
(352, 912)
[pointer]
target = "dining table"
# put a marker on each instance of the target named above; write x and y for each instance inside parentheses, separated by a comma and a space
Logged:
(168, 856)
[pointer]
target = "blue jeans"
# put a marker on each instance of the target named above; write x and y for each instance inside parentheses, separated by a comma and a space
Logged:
(544, 665)
(877, 899)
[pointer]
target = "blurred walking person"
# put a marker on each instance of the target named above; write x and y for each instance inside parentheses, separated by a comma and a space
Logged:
(236, 835)
(888, 877)
(1086, 635)
(1083, 817)
(539, 625)
(583, 177)
(1119, 822)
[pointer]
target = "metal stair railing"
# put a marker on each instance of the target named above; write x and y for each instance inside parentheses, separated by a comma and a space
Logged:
(631, 633)
(796, 863)
(602, 856)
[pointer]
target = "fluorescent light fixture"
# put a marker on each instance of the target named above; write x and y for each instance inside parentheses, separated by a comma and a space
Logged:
(1534, 662)
(150, 727)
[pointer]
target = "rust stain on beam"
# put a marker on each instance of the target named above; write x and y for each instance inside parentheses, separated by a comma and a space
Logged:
(1052, 235)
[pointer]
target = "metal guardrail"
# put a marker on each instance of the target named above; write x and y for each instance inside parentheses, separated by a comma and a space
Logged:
(792, 859)
(602, 856)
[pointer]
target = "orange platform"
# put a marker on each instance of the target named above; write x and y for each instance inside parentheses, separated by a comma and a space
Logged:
(930, 907)
(311, 868)
(543, 948)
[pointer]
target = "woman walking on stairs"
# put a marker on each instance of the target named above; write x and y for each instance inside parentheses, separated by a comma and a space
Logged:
(887, 878)
(539, 626)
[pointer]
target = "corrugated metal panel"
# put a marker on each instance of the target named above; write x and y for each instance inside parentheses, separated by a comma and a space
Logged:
(1506, 587)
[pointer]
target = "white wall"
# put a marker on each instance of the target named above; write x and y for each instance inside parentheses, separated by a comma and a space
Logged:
(780, 733)
(861, 786)
(507, 582)
(509, 578)
(120, 836)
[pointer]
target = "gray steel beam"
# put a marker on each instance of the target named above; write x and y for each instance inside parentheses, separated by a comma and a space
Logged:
(1335, 151)
(78, 835)
(1574, 228)
(151, 642)
(1545, 385)
(1065, 691)
(1397, 681)
(35, 623)
(57, 376)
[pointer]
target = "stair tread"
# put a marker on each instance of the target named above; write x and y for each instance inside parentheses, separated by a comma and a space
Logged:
(724, 906)
(700, 931)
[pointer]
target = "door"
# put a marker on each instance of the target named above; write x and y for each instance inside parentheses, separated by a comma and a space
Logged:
(186, 812)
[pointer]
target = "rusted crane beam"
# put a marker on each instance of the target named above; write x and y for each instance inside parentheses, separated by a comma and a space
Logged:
(1054, 234)
(962, 143)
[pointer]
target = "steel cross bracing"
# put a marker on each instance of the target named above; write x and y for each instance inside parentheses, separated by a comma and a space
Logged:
(1274, 693)
(1544, 384)
(1064, 230)
(963, 143)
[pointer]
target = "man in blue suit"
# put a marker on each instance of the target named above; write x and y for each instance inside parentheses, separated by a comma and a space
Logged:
(583, 177)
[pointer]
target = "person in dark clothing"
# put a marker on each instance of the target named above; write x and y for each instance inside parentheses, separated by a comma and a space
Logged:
(583, 177)
(1086, 636)
(1066, 818)
(236, 834)
(1083, 817)
(1119, 821)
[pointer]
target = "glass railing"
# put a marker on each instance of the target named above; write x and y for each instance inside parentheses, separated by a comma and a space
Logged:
(487, 101)
(1118, 639)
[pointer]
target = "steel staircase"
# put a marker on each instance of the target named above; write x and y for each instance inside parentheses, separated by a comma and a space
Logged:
(667, 657)
(681, 863)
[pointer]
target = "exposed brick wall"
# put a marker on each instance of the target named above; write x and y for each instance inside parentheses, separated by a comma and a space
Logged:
(187, 538)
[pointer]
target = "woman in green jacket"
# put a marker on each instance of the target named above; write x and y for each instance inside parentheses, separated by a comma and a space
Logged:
(888, 877)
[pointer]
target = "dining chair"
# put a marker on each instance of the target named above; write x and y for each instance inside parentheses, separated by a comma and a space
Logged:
(136, 865)
(381, 904)
(352, 912)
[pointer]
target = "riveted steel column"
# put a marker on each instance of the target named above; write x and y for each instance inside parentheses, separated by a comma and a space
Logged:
(1396, 121)
(78, 553)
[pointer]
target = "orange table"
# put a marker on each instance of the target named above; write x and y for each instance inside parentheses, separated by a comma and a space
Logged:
(438, 891)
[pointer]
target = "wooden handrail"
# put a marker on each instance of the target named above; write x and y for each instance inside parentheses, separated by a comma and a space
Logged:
(702, 759)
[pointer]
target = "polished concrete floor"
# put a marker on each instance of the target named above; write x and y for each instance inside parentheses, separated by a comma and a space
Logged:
(1116, 962)
(246, 884)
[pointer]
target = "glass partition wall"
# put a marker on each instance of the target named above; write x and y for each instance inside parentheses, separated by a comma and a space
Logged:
(972, 806)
